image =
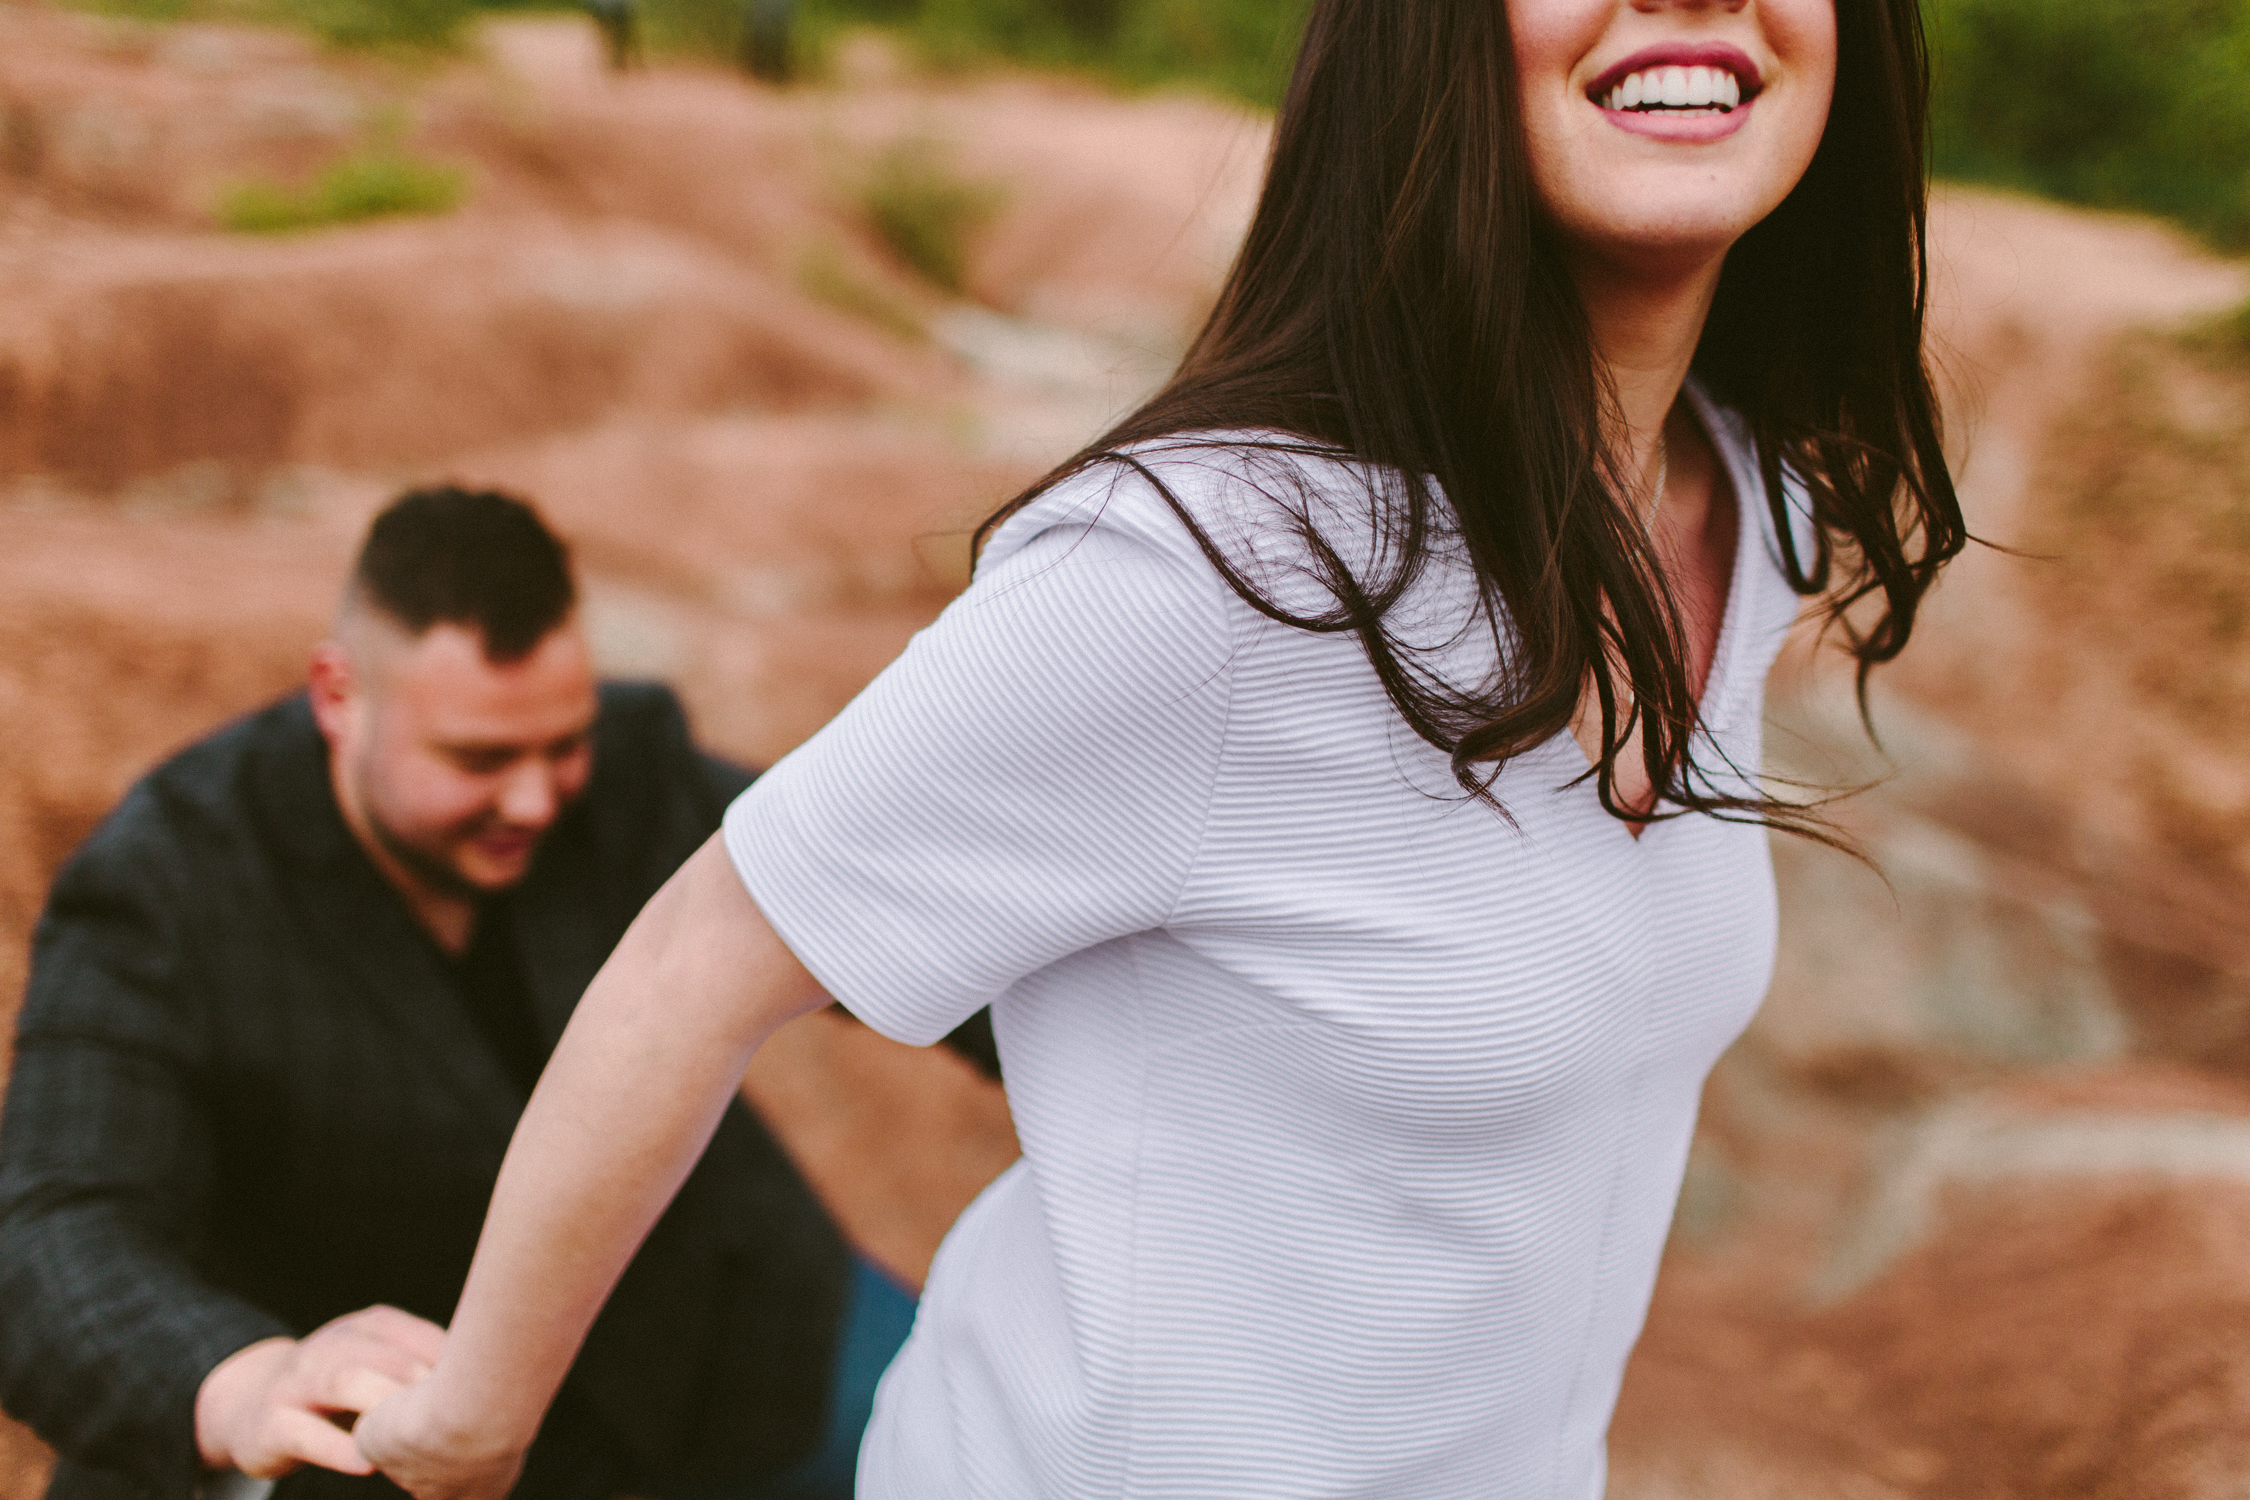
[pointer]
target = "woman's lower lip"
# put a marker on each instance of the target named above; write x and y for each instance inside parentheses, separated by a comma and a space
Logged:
(1689, 126)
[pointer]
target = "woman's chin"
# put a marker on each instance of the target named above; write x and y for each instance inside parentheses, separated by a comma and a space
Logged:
(1622, 197)
(1663, 243)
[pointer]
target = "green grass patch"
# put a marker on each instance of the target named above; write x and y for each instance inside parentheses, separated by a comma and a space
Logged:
(825, 275)
(925, 211)
(368, 185)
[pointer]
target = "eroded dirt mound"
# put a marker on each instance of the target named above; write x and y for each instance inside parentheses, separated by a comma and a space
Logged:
(108, 122)
(638, 244)
(128, 357)
(108, 666)
(2083, 1341)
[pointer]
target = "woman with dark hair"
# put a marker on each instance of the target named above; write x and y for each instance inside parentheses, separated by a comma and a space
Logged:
(1342, 780)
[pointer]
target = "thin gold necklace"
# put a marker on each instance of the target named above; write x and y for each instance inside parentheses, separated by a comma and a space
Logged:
(1663, 479)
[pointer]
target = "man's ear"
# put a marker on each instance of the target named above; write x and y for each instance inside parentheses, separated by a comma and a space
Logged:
(332, 683)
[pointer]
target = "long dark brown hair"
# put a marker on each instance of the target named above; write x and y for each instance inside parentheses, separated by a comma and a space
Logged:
(1400, 301)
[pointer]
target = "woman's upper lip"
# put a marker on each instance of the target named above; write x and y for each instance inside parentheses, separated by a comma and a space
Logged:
(1682, 55)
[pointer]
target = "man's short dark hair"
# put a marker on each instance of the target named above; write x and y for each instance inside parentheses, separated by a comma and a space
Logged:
(474, 558)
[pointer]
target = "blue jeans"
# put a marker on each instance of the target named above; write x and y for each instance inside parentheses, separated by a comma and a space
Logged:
(878, 1314)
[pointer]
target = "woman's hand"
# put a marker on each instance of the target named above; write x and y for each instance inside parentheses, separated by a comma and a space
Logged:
(275, 1406)
(415, 1439)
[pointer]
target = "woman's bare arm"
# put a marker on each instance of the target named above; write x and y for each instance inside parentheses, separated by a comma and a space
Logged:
(636, 1088)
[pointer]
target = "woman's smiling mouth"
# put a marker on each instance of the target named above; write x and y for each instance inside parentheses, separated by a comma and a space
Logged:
(1676, 80)
(1676, 88)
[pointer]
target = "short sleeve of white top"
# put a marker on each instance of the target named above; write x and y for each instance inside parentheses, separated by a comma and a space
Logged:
(1353, 1113)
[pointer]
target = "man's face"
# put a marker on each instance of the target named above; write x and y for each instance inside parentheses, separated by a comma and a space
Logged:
(453, 764)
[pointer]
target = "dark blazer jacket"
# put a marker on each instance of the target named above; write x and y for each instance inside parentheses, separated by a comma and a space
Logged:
(246, 1100)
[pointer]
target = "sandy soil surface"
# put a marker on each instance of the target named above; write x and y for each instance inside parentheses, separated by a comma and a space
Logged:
(1970, 1209)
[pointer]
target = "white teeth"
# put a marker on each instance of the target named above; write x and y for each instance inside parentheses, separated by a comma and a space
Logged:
(1677, 88)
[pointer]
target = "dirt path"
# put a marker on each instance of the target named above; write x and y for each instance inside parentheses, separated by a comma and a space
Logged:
(2022, 297)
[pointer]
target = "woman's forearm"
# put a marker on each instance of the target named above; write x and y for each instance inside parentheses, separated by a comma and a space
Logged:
(652, 1057)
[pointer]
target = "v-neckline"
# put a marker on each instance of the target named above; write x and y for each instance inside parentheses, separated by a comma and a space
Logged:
(1717, 681)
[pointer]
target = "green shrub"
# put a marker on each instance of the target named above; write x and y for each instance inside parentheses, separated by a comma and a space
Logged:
(2141, 104)
(369, 185)
(2225, 338)
(925, 211)
(827, 276)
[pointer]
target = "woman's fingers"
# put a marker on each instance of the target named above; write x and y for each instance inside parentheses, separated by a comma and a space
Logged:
(347, 1351)
(355, 1389)
(295, 1437)
(338, 1350)
(417, 1336)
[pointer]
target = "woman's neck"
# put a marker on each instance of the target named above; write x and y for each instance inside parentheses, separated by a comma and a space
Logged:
(1645, 331)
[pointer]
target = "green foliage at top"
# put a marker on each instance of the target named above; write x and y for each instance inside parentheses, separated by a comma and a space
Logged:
(1238, 47)
(711, 28)
(2141, 104)
(380, 25)
(2134, 104)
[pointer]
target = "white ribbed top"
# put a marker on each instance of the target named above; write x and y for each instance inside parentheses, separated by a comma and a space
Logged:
(1352, 1116)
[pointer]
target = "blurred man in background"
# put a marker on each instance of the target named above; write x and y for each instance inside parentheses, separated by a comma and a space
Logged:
(286, 1006)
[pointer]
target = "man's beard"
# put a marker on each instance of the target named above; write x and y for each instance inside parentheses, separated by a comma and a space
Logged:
(434, 873)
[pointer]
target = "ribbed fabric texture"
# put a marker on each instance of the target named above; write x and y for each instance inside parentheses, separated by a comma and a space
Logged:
(1353, 1117)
